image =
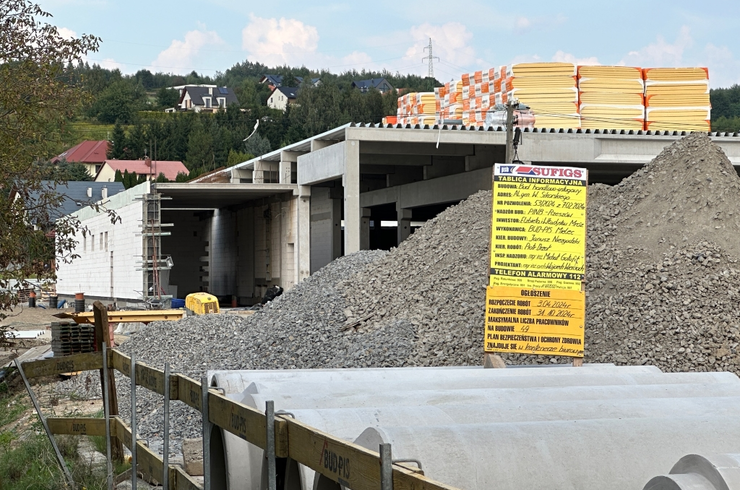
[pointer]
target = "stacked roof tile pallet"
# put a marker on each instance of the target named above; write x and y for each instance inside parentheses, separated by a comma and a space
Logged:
(563, 95)
(611, 97)
(677, 98)
(70, 338)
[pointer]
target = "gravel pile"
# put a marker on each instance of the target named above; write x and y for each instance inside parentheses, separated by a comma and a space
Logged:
(663, 284)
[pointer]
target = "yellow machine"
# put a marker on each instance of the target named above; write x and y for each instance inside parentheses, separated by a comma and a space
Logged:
(201, 303)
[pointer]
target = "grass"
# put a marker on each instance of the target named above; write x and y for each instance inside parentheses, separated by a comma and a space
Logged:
(27, 459)
(90, 131)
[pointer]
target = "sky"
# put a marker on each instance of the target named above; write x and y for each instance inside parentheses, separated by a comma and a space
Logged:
(210, 36)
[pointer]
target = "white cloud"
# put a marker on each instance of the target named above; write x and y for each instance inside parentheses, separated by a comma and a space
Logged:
(179, 57)
(661, 52)
(569, 58)
(280, 41)
(449, 43)
(523, 23)
(724, 69)
(67, 33)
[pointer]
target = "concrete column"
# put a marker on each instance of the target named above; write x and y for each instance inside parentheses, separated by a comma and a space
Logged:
(336, 236)
(365, 229)
(403, 216)
(352, 212)
(303, 269)
(285, 172)
(258, 176)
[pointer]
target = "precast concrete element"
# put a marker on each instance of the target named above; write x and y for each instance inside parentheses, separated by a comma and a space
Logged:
(696, 472)
(238, 381)
(533, 380)
(348, 423)
(604, 454)
(290, 396)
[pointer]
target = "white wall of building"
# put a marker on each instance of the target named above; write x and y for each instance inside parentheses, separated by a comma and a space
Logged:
(109, 255)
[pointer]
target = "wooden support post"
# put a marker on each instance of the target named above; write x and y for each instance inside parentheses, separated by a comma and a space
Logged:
(102, 335)
(577, 362)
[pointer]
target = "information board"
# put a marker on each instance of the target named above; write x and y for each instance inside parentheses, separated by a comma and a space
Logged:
(535, 321)
(535, 303)
(538, 229)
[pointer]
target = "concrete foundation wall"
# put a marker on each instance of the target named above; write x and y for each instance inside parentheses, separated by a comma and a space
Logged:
(107, 271)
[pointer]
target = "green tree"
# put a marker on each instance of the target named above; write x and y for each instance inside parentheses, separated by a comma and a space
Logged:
(200, 147)
(182, 177)
(118, 177)
(257, 145)
(118, 141)
(167, 97)
(236, 157)
(120, 101)
(35, 101)
(74, 171)
(318, 109)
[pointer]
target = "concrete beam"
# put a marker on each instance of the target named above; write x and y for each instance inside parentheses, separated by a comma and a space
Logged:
(323, 164)
(396, 160)
(449, 189)
(319, 144)
(377, 169)
(410, 148)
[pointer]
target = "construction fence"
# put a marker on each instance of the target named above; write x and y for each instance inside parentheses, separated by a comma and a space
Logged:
(279, 435)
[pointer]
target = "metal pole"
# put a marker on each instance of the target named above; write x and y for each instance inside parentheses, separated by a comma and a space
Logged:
(106, 412)
(386, 467)
(134, 473)
(509, 132)
(207, 427)
(270, 445)
(60, 459)
(166, 444)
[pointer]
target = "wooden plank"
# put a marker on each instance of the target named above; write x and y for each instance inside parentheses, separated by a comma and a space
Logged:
(148, 461)
(188, 391)
(241, 420)
(120, 362)
(150, 378)
(138, 316)
(341, 461)
(181, 480)
(77, 426)
(347, 463)
(66, 364)
(103, 336)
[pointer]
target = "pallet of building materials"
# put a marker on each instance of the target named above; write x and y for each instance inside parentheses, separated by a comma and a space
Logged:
(549, 89)
(71, 338)
(611, 97)
(677, 99)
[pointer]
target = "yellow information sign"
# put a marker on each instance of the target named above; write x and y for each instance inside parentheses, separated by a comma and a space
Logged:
(535, 303)
(535, 321)
(538, 229)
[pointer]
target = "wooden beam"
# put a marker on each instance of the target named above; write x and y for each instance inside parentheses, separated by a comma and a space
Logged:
(67, 364)
(103, 335)
(188, 391)
(181, 480)
(77, 426)
(139, 316)
(148, 461)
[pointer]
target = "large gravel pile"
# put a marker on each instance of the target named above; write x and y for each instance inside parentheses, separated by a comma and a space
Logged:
(662, 285)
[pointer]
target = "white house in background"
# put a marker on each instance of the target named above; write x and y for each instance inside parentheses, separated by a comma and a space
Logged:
(281, 97)
(207, 98)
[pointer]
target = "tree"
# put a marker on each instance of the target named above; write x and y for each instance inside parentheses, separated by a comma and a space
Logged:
(118, 102)
(257, 145)
(200, 147)
(35, 102)
(118, 141)
(167, 97)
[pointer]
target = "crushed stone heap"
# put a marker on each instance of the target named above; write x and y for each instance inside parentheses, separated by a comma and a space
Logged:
(663, 288)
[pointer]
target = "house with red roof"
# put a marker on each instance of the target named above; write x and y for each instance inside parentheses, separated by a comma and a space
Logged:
(150, 168)
(92, 154)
